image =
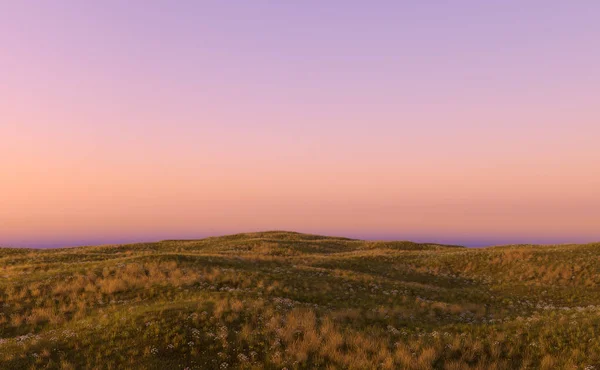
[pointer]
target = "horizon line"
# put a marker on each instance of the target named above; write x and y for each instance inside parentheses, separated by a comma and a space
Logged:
(99, 242)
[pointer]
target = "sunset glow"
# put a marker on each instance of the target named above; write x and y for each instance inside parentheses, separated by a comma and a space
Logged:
(472, 123)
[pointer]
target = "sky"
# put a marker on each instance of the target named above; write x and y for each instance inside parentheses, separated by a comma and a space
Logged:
(464, 122)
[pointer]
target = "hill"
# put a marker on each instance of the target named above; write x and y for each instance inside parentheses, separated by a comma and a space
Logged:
(280, 300)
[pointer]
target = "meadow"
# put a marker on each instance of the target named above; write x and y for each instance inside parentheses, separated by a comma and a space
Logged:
(283, 300)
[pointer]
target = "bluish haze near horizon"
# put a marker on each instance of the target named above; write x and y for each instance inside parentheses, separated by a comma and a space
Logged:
(472, 123)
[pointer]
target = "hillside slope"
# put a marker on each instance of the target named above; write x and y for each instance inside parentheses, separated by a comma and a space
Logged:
(286, 300)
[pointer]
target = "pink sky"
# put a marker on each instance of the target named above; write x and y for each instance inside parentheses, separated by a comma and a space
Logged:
(468, 123)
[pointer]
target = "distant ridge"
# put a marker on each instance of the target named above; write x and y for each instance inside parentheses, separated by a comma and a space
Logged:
(293, 236)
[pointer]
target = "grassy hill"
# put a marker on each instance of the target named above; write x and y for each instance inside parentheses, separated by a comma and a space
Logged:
(280, 300)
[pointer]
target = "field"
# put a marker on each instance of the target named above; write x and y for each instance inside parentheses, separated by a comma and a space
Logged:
(281, 300)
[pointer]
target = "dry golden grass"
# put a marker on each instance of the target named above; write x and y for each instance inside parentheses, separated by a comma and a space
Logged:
(286, 300)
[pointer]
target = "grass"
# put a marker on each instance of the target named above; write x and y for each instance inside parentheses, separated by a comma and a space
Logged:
(281, 300)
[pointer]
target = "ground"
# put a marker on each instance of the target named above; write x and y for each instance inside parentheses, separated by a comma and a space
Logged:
(280, 300)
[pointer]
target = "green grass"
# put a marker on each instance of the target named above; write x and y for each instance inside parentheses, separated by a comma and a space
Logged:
(280, 300)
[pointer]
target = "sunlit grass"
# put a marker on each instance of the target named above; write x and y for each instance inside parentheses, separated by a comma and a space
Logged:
(286, 300)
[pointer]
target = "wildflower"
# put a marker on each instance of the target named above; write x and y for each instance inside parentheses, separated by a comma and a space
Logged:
(242, 357)
(392, 330)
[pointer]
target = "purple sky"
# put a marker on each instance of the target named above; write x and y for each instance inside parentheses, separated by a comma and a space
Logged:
(469, 122)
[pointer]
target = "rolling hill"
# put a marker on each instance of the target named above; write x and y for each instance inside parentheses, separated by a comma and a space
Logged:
(283, 300)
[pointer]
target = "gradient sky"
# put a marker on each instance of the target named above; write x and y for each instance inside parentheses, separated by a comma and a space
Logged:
(468, 122)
